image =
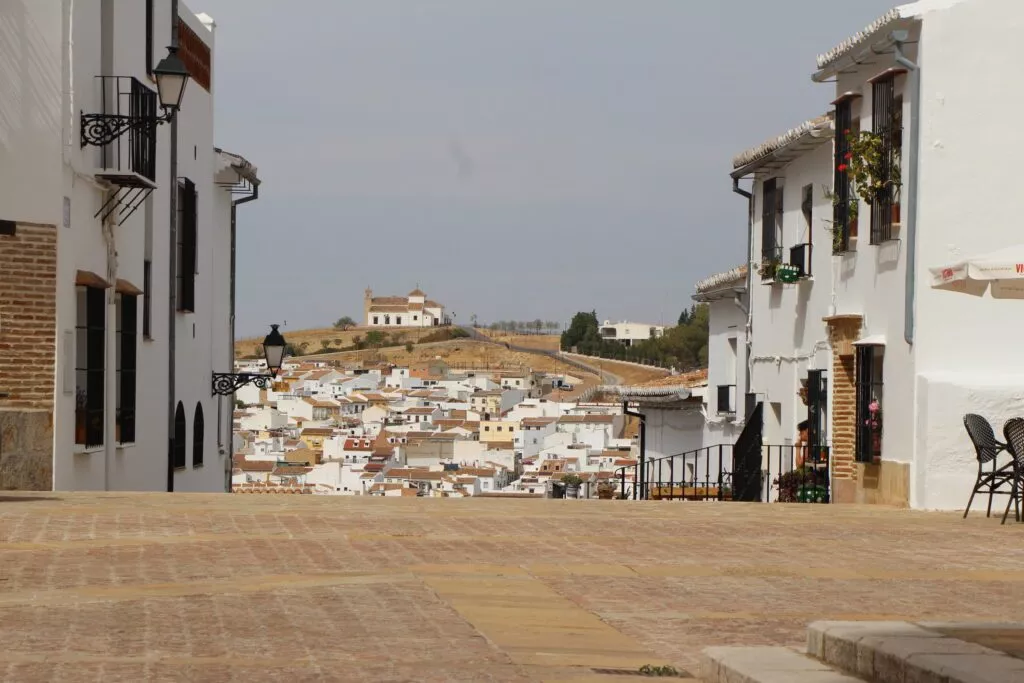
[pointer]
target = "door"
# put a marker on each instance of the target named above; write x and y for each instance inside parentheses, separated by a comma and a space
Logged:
(817, 413)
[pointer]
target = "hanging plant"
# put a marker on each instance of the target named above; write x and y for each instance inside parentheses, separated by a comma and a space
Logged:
(835, 228)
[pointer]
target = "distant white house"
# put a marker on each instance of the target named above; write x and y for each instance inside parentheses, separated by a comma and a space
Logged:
(628, 333)
(414, 310)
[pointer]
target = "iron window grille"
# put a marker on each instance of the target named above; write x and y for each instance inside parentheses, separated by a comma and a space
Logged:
(800, 257)
(180, 429)
(817, 406)
(843, 223)
(90, 348)
(886, 116)
(187, 245)
(127, 356)
(870, 361)
(726, 399)
(198, 435)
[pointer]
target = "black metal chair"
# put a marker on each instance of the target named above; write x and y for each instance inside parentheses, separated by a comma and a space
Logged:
(992, 479)
(1013, 431)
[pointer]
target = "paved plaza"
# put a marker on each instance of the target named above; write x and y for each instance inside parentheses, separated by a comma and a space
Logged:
(137, 587)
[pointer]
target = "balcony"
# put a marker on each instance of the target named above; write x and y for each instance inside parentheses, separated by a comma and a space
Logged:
(726, 399)
(124, 135)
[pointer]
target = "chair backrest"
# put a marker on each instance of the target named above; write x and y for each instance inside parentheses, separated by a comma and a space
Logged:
(1013, 430)
(983, 437)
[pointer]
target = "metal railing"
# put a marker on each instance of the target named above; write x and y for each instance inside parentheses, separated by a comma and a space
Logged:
(800, 257)
(135, 151)
(789, 474)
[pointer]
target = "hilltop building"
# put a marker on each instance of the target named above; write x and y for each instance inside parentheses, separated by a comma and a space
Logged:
(414, 310)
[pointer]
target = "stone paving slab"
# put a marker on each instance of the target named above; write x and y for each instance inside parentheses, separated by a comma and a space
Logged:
(138, 587)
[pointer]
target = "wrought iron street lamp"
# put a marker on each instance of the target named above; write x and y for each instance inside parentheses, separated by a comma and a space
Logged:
(171, 78)
(226, 383)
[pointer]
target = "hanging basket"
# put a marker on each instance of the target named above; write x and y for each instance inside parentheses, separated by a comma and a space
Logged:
(787, 273)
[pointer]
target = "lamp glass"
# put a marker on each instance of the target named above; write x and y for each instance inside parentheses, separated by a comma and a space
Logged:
(273, 349)
(171, 78)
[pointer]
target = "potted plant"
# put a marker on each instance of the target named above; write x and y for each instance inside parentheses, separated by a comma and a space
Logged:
(572, 485)
(873, 169)
(874, 424)
(606, 491)
(768, 268)
(787, 273)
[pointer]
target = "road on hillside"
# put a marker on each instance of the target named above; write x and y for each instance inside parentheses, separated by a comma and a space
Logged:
(606, 377)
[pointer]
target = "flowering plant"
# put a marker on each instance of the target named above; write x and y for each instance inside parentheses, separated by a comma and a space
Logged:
(871, 169)
(874, 418)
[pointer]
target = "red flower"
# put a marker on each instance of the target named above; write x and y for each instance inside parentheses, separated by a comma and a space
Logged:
(849, 155)
(841, 168)
(846, 132)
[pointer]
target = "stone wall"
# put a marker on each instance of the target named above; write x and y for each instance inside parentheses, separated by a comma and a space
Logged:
(28, 302)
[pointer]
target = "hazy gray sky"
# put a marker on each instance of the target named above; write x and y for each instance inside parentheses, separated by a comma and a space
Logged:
(517, 159)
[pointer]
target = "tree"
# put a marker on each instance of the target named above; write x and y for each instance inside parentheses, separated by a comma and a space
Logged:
(472, 320)
(684, 317)
(344, 323)
(375, 338)
(303, 347)
(582, 332)
(538, 325)
(409, 346)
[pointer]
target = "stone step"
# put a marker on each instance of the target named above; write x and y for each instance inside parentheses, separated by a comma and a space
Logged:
(766, 665)
(901, 652)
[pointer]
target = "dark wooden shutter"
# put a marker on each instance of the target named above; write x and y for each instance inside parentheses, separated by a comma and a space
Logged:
(198, 436)
(189, 246)
(129, 327)
(865, 371)
(768, 208)
(883, 122)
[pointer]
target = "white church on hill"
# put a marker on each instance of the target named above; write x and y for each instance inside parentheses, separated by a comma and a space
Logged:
(414, 310)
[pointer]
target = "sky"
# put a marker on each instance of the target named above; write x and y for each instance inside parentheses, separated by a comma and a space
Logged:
(515, 159)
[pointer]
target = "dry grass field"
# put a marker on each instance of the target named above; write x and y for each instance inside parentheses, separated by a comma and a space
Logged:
(332, 337)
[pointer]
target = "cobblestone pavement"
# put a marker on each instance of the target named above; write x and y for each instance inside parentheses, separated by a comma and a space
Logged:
(136, 587)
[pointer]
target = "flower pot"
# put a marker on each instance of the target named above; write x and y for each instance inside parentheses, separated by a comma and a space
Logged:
(894, 214)
(572, 490)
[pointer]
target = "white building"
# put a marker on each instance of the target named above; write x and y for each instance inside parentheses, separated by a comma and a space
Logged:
(414, 310)
(920, 81)
(118, 369)
(628, 333)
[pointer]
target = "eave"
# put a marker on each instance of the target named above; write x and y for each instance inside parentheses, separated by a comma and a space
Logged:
(773, 155)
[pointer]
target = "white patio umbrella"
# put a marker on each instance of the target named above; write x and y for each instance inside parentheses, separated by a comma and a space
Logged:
(1003, 270)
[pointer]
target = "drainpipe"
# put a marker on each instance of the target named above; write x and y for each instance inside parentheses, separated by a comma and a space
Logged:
(749, 259)
(172, 295)
(914, 87)
(638, 485)
(234, 212)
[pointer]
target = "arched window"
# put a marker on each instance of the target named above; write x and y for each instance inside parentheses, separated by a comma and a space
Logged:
(180, 426)
(197, 437)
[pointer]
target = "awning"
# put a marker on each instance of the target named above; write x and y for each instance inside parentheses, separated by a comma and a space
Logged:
(1003, 270)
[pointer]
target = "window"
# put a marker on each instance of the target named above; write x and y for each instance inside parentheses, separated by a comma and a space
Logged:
(771, 226)
(415, 318)
(198, 433)
(817, 405)
(90, 352)
(886, 121)
(387, 320)
(398, 320)
(187, 245)
(807, 208)
(869, 402)
(844, 202)
(376, 320)
(180, 427)
(147, 299)
(127, 352)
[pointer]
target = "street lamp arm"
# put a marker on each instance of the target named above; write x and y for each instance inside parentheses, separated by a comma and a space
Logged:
(227, 383)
